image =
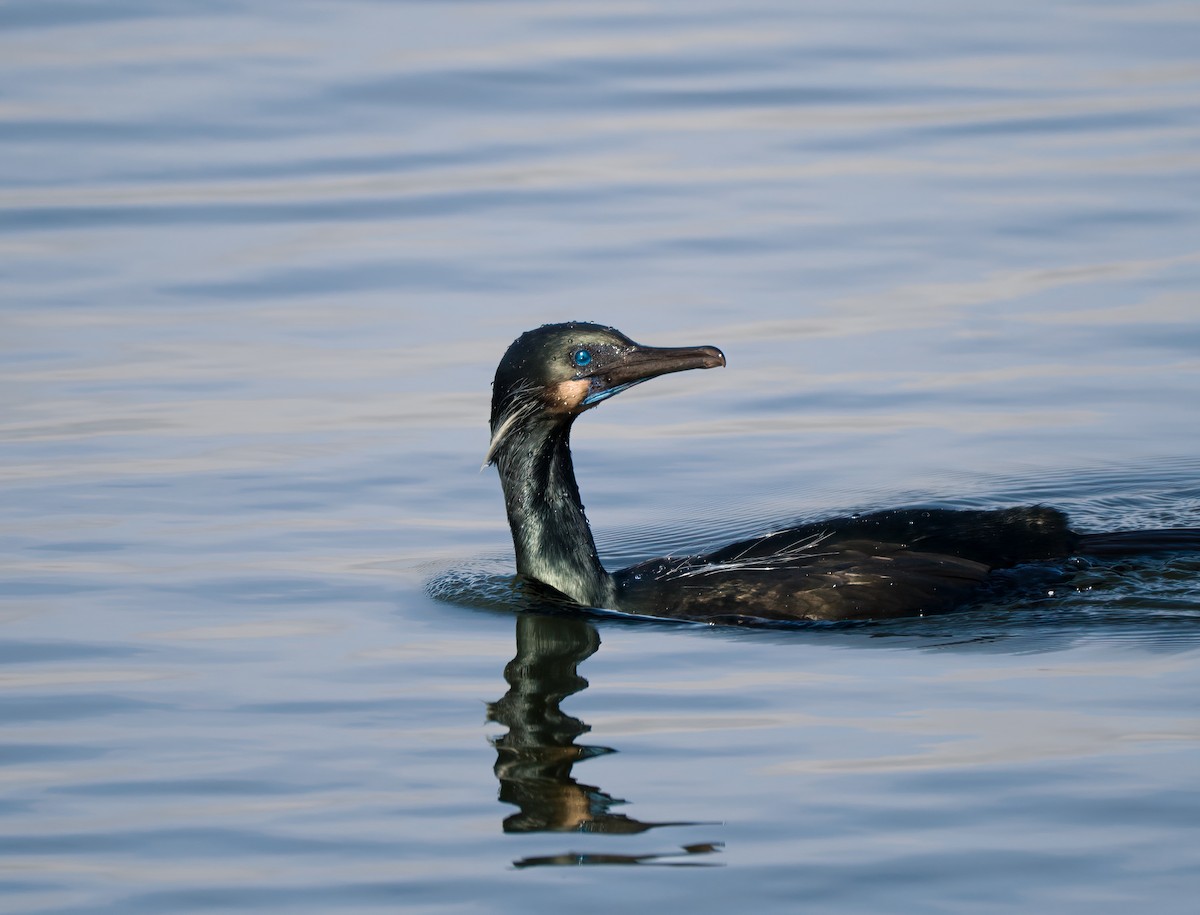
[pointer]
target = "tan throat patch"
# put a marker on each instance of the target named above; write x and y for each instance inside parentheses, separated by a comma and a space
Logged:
(567, 396)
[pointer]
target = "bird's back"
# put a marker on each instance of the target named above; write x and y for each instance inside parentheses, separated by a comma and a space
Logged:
(886, 564)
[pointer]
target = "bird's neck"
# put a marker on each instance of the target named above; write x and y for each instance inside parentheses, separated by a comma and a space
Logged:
(550, 532)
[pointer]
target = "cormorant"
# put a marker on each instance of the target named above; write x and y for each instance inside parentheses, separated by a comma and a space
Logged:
(885, 564)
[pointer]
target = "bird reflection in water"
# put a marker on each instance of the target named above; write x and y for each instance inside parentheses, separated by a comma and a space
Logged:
(535, 758)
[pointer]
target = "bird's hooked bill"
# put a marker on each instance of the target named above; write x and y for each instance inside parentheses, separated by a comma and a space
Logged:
(644, 362)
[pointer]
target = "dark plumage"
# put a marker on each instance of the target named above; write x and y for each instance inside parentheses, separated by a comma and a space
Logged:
(886, 564)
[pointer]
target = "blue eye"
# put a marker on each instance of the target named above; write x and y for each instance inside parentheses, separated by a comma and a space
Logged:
(582, 357)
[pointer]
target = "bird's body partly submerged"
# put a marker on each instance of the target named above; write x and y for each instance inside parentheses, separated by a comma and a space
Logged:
(885, 564)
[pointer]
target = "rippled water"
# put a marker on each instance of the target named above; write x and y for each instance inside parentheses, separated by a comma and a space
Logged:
(261, 646)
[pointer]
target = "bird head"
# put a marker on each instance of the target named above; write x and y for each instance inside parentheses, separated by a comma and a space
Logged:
(554, 373)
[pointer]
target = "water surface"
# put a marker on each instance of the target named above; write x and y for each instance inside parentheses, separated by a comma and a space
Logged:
(261, 648)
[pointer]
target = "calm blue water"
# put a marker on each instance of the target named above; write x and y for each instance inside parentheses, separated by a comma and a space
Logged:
(260, 649)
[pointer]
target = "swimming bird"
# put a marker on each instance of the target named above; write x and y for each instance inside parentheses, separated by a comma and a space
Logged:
(904, 562)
